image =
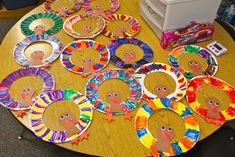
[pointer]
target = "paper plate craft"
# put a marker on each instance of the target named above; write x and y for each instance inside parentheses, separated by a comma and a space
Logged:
(121, 31)
(161, 90)
(130, 56)
(193, 64)
(37, 56)
(26, 94)
(63, 10)
(99, 9)
(86, 31)
(72, 128)
(162, 145)
(40, 29)
(212, 113)
(114, 107)
(88, 64)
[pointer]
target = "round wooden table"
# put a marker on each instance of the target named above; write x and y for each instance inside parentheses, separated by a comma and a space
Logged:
(117, 138)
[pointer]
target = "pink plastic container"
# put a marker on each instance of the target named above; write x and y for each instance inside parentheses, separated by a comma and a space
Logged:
(195, 32)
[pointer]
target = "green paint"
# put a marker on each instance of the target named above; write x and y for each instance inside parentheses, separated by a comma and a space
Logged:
(68, 93)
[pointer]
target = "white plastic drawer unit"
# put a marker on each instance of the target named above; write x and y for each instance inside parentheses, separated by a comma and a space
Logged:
(173, 14)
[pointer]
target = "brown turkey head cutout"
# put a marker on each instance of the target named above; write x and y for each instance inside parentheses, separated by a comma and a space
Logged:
(37, 57)
(26, 95)
(196, 67)
(162, 91)
(114, 99)
(39, 29)
(68, 121)
(214, 106)
(62, 11)
(88, 64)
(129, 57)
(85, 30)
(165, 135)
(120, 31)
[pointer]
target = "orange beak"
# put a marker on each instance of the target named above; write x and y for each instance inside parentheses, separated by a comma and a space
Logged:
(214, 108)
(115, 100)
(166, 135)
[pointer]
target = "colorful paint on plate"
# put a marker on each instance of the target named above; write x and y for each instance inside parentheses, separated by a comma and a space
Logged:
(48, 6)
(58, 23)
(114, 59)
(93, 84)
(174, 55)
(191, 96)
(87, 32)
(192, 131)
(115, 4)
(7, 101)
(135, 26)
(45, 100)
(180, 80)
(20, 47)
(72, 47)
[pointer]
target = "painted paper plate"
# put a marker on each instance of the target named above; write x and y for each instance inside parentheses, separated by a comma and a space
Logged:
(98, 9)
(7, 101)
(121, 31)
(45, 100)
(180, 80)
(177, 52)
(64, 10)
(20, 47)
(192, 131)
(115, 44)
(93, 84)
(88, 67)
(87, 31)
(58, 23)
(191, 96)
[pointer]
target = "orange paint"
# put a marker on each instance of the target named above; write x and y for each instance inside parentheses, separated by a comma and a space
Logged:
(152, 105)
(190, 120)
(141, 122)
(187, 143)
(177, 51)
(174, 105)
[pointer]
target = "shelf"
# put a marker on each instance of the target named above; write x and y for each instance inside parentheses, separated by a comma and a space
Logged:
(158, 7)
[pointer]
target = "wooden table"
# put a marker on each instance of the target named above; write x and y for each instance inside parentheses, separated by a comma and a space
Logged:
(117, 138)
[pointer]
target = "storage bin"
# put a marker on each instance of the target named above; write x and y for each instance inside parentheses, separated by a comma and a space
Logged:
(173, 14)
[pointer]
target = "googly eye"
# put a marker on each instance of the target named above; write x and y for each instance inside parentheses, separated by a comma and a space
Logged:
(210, 102)
(62, 117)
(196, 63)
(159, 89)
(66, 115)
(217, 104)
(190, 63)
(169, 129)
(115, 94)
(90, 60)
(28, 89)
(164, 89)
(84, 61)
(109, 95)
(163, 128)
(24, 90)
